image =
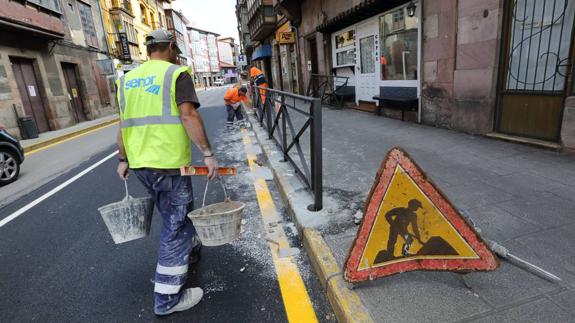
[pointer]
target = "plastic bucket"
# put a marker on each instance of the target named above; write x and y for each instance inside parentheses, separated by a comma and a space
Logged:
(129, 219)
(220, 223)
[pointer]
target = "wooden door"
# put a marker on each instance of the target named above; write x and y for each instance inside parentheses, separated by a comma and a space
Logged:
(75, 95)
(536, 67)
(29, 91)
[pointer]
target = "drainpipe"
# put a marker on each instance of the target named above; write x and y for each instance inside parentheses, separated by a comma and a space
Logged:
(298, 61)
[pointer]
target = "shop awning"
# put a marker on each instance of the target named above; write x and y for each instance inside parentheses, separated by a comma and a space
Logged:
(262, 51)
(362, 11)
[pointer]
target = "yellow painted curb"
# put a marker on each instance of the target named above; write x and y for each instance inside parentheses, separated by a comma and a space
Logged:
(63, 137)
(346, 304)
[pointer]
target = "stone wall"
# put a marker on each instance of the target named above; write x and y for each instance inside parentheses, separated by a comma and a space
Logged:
(460, 60)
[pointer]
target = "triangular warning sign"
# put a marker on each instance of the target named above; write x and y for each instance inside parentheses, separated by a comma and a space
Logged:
(410, 225)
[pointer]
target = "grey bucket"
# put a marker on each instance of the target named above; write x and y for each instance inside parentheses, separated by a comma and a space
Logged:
(129, 219)
(220, 223)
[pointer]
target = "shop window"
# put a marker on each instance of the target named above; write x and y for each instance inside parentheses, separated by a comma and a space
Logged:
(399, 37)
(88, 24)
(344, 48)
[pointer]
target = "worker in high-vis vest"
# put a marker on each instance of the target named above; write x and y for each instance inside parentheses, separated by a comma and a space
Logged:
(258, 78)
(158, 117)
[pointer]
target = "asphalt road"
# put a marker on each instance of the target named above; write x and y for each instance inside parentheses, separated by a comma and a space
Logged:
(58, 262)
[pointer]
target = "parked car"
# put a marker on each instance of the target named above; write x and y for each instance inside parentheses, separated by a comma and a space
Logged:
(11, 157)
(219, 82)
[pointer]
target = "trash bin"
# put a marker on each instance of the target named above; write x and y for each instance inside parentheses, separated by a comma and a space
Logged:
(27, 127)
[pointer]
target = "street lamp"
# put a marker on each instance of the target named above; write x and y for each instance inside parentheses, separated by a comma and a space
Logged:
(411, 9)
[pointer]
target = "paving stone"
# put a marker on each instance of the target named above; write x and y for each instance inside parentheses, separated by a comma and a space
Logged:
(541, 310)
(421, 297)
(499, 225)
(546, 211)
(551, 250)
(509, 284)
(566, 300)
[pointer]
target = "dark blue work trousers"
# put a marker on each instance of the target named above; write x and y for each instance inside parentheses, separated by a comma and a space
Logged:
(237, 113)
(178, 239)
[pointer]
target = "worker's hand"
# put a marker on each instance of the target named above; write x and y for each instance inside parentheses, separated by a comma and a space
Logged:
(123, 170)
(212, 164)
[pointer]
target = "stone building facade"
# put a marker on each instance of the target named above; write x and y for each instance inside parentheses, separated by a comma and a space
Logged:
(50, 67)
(489, 67)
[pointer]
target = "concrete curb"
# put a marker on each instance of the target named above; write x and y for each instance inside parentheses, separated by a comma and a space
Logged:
(63, 137)
(346, 304)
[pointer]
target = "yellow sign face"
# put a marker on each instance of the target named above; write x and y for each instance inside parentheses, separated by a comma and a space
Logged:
(74, 92)
(287, 37)
(409, 226)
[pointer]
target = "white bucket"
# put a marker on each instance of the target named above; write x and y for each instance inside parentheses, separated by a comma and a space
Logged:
(220, 223)
(129, 219)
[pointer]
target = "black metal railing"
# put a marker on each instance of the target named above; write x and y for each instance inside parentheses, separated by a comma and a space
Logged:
(286, 118)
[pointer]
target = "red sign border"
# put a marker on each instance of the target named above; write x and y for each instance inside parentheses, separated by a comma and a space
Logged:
(487, 260)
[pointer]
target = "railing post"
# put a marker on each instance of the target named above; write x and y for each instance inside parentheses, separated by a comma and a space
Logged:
(284, 128)
(268, 112)
(316, 156)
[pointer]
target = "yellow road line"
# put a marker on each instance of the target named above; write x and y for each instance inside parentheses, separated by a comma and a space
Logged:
(68, 139)
(297, 303)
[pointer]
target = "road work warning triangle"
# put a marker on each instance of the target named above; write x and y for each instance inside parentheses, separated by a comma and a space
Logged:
(410, 225)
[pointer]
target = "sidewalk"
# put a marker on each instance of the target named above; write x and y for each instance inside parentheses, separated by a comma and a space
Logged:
(519, 196)
(51, 137)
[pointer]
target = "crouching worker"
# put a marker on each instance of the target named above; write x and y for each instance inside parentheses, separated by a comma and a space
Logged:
(158, 117)
(233, 100)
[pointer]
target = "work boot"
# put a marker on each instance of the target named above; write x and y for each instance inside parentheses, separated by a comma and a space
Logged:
(190, 298)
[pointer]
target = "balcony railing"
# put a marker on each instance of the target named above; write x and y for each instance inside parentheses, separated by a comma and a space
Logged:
(262, 23)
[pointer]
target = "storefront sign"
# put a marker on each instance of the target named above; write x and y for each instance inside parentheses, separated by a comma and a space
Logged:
(125, 47)
(410, 225)
(286, 37)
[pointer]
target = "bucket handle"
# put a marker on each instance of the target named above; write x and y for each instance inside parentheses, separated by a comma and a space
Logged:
(206, 191)
(126, 187)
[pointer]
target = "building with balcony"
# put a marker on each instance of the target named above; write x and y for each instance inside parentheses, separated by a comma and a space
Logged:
(148, 15)
(246, 44)
(261, 19)
(54, 64)
(177, 23)
(204, 50)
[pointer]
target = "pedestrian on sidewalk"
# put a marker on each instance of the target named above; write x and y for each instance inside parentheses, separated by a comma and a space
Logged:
(233, 100)
(258, 78)
(158, 117)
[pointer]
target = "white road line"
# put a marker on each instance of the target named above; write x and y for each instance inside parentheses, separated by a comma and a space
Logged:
(54, 191)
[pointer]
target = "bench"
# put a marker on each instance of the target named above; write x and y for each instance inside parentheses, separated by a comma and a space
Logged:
(397, 97)
(344, 92)
(330, 88)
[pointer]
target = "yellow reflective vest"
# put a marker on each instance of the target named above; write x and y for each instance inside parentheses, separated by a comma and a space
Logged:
(152, 131)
